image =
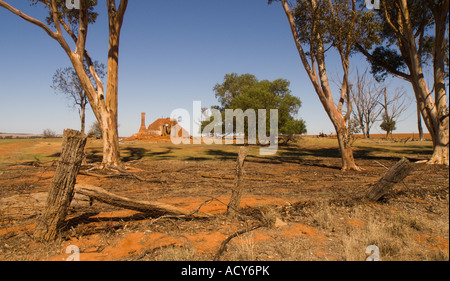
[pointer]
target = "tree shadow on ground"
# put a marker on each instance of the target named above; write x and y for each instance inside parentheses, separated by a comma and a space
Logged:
(134, 153)
(376, 153)
(55, 155)
(88, 217)
(222, 154)
(138, 153)
(130, 153)
(94, 156)
(413, 153)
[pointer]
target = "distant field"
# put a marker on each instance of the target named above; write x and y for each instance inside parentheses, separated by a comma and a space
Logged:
(20, 150)
(395, 136)
(18, 136)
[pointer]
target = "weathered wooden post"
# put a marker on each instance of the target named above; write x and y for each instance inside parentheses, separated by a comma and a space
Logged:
(62, 188)
(236, 194)
(396, 174)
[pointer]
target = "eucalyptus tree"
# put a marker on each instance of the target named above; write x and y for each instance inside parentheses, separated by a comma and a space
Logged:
(65, 22)
(245, 91)
(415, 34)
(318, 26)
(393, 104)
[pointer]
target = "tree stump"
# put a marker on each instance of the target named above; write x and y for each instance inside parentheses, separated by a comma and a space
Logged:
(62, 187)
(236, 194)
(396, 174)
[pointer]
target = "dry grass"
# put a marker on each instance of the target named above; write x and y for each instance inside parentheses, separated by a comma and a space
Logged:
(244, 249)
(175, 254)
(400, 230)
(314, 198)
(404, 234)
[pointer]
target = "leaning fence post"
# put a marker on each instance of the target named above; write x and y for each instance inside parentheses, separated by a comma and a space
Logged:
(62, 187)
(396, 174)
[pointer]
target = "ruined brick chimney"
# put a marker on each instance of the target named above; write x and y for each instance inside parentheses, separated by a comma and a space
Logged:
(142, 129)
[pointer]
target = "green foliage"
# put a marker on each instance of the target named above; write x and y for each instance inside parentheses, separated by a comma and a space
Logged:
(353, 127)
(385, 56)
(293, 126)
(388, 124)
(334, 23)
(388, 56)
(247, 92)
(70, 16)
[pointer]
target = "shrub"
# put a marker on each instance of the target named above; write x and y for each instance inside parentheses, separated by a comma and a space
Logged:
(95, 131)
(47, 134)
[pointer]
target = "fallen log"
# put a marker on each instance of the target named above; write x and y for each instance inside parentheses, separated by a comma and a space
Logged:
(396, 174)
(95, 175)
(229, 177)
(101, 195)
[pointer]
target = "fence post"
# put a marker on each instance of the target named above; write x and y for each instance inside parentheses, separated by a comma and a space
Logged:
(62, 187)
(395, 175)
(236, 194)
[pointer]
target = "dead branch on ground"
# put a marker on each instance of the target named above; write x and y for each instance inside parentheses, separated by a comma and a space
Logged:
(106, 197)
(223, 245)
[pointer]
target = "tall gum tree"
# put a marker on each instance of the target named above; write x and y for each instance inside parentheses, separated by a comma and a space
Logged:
(75, 23)
(414, 33)
(321, 25)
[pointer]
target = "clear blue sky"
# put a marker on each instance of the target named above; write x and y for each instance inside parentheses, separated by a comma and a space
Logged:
(171, 53)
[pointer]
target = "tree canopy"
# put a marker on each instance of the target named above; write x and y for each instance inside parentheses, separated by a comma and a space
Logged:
(390, 54)
(247, 92)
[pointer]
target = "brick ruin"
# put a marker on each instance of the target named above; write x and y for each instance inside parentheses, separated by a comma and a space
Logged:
(159, 129)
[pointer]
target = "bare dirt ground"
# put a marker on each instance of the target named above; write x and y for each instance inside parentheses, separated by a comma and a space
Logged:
(313, 210)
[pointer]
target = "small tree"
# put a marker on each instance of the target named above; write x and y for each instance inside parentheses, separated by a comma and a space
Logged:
(388, 125)
(394, 105)
(366, 96)
(95, 130)
(48, 134)
(66, 81)
(291, 128)
(353, 127)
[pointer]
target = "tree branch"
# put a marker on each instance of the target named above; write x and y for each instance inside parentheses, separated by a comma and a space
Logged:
(121, 11)
(34, 21)
(298, 44)
(82, 29)
(388, 19)
(88, 58)
(388, 68)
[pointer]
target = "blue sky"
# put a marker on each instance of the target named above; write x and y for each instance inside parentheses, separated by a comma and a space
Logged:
(171, 54)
